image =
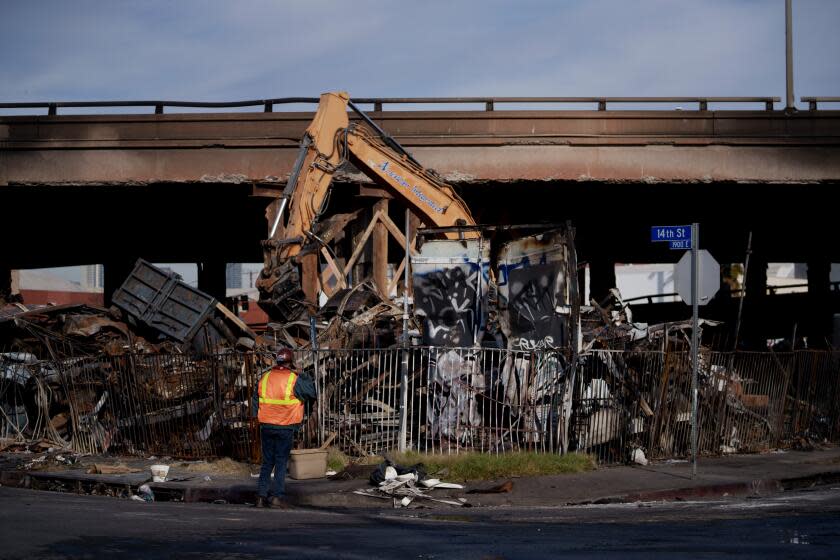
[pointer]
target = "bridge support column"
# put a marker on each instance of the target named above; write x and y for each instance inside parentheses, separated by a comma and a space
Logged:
(8, 289)
(601, 278)
(753, 334)
(212, 279)
(819, 313)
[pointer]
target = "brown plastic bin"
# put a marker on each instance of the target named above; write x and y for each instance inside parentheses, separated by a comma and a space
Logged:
(308, 463)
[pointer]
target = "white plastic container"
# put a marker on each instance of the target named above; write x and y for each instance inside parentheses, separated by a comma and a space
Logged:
(159, 473)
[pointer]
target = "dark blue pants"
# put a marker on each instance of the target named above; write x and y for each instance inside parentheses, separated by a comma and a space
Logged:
(276, 447)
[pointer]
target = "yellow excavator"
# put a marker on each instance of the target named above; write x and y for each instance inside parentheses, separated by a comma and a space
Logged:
(330, 141)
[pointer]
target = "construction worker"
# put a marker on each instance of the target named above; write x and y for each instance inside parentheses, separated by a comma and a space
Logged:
(278, 405)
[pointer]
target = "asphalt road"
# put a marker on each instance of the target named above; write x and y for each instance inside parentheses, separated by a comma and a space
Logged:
(52, 525)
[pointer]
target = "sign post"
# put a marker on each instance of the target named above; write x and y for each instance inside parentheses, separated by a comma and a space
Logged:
(697, 280)
(695, 306)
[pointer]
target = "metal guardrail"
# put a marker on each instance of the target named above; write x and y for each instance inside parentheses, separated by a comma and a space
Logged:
(812, 101)
(379, 102)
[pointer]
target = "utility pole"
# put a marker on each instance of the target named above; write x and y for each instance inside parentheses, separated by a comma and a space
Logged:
(789, 104)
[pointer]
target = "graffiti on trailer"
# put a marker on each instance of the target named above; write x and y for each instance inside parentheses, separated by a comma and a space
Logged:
(534, 297)
(532, 307)
(446, 299)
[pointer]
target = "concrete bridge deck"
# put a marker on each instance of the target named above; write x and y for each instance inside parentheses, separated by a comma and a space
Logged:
(464, 146)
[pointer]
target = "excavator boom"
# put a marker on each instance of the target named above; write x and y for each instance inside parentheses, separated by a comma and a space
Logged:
(329, 141)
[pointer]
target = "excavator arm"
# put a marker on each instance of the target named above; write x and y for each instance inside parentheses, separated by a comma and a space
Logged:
(329, 141)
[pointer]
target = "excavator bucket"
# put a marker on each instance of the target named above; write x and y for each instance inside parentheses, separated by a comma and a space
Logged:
(281, 295)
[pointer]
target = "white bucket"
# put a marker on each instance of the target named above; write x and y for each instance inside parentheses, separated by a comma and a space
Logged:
(159, 473)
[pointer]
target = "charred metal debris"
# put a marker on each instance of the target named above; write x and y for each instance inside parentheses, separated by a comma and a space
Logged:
(499, 357)
(502, 290)
(136, 377)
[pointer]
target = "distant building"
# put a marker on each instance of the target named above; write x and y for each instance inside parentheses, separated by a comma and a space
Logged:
(233, 276)
(43, 287)
(639, 280)
(93, 276)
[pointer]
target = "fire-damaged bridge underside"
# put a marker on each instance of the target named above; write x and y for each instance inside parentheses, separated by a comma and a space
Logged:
(193, 187)
(464, 146)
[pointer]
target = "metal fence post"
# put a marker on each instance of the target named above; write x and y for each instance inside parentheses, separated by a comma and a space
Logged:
(405, 340)
(313, 340)
(403, 441)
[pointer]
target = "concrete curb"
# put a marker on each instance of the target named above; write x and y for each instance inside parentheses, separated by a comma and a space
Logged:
(246, 493)
(75, 481)
(756, 487)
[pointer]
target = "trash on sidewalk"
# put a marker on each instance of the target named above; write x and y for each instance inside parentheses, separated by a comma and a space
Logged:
(99, 468)
(159, 472)
(405, 484)
(388, 470)
(144, 494)
(638, 457)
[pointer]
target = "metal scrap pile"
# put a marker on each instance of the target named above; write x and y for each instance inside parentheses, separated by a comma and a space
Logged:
(633, 397)
(159, 370)
(352, 318)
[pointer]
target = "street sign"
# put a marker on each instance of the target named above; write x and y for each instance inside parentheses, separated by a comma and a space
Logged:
(708, 277)
(672, 234)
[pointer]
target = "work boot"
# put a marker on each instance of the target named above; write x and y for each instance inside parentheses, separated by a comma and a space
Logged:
(262, 502)
(279, 503)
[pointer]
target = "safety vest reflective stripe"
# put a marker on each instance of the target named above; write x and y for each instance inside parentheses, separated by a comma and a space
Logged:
(288, 399)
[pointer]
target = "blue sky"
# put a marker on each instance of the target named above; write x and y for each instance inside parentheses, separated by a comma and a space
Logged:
(223, 50)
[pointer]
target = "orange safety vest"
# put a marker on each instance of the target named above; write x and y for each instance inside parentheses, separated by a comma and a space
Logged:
(278, 404)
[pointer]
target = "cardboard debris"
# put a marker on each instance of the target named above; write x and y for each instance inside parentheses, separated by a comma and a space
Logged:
(98, 468)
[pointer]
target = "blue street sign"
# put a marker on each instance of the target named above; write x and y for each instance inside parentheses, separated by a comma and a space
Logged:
(672, 234)
(683, 244)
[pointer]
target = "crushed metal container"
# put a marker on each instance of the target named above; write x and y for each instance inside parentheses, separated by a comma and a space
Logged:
(159, 300)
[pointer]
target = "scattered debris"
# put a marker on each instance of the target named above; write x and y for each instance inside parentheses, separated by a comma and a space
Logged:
(144, 494)
(638, 457)
(94, 380)
(400, 484)
(98, 468)
(159, 472)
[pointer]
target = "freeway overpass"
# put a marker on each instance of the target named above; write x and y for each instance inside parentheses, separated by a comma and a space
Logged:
(193, 186)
